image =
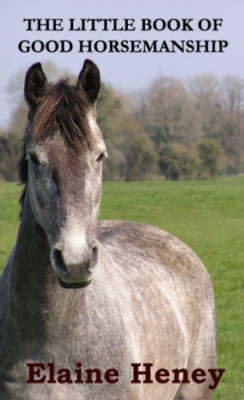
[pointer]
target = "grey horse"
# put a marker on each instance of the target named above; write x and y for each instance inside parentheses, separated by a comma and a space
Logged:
(95, 309)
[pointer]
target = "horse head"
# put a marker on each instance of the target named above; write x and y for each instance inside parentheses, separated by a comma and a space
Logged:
(62, 169)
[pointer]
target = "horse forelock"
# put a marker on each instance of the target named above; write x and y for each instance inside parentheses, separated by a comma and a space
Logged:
(63, 109)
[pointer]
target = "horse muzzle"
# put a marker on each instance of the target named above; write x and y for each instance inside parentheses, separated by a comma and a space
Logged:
(74, 270)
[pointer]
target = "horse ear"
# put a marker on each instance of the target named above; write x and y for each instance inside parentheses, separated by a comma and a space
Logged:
(35, 85)
(89, 80)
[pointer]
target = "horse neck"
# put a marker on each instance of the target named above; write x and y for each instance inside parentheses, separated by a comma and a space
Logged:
(34, 290)
(29, 269)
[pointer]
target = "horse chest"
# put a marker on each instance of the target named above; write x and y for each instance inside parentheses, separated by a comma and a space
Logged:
(62, 370)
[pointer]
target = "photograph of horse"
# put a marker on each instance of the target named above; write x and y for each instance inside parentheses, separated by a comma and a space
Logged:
(80, 291)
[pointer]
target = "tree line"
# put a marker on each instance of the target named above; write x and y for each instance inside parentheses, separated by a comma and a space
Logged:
(173, 129)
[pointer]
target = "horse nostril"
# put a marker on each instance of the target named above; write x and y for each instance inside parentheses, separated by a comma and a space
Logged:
(59, 261)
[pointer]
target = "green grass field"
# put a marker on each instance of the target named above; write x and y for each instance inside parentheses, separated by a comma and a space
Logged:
(209, 217)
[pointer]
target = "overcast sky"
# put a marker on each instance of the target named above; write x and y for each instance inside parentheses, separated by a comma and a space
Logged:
(128, 71)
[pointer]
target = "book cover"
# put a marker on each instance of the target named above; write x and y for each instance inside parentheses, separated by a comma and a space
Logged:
(153, 95)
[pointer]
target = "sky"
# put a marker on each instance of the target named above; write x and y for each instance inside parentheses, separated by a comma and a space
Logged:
(128, 71)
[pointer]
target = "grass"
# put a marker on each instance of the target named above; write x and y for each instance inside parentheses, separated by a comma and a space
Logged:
(9, 213)
(208, 216)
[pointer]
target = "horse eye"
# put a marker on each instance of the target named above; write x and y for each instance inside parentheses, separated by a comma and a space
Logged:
(100, 157)
(34, 159)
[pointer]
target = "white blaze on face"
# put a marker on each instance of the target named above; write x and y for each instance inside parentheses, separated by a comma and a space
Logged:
(73, 242)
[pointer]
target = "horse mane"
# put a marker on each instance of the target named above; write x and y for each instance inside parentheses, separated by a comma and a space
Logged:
(62, 108)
